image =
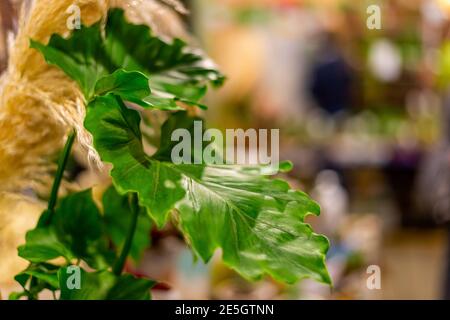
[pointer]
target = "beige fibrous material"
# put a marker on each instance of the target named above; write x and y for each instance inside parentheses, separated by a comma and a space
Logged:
(38, 102)
(18, 215)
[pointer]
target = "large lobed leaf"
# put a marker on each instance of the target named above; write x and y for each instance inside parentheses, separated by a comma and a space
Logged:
(258, 222)
(34, 279)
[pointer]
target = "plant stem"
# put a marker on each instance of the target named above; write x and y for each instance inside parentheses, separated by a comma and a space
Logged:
(134, 206)
(62, 162)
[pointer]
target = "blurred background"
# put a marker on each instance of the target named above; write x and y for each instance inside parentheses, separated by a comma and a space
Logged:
(364, 115)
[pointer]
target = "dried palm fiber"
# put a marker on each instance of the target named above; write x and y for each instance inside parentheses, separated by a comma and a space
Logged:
(18, 214)
(38, 103)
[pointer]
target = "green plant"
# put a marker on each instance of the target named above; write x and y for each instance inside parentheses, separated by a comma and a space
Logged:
(258, 222)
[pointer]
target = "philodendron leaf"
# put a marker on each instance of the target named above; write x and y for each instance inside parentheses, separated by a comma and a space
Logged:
(174, 72)
(257, 222)
(103, 285)
(75, 232)
(118, 216)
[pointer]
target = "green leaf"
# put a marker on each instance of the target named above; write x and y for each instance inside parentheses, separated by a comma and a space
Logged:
(22, 279)
(176, 73)
(45, 272)
(130, 86)
(42, 244)
(78, 221)
(117, 217)
(75, 232)
(258, 222)
(104, 285)
(128, 287)
(79, 225)
(35, 279)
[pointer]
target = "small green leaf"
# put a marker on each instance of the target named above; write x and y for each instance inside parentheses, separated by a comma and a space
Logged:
(257, 222)
(104, 285)
(117, 217)
(75, 232)
(42, 244)
(45, 272)
(35, 279)
(133, 87)
(130, 86)
(176, 72)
